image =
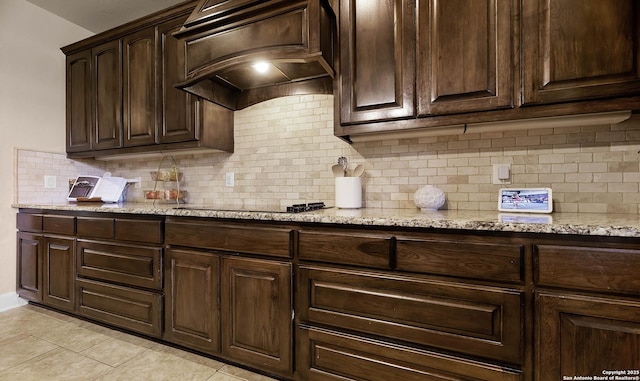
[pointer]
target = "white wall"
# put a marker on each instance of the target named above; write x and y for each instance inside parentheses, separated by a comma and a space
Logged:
(32, 102)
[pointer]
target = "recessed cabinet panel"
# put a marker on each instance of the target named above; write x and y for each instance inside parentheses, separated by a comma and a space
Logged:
(29, 266)
(328, 355)
(576, 50)
(464, 56)
(107, 95)
(139, 87)
(256, 301)
(192, 308)
(585, 336)
(179, 116)
(125, 264)
(59, 275)
(78, 106)
(377, 60)
(477, 320)
(124, 307)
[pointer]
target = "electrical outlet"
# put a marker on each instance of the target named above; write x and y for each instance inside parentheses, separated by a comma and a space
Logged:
(501, 174)
(228, 179)
(138, 182)
(50, 182)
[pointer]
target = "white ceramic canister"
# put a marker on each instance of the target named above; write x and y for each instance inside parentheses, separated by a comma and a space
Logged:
(349, 192)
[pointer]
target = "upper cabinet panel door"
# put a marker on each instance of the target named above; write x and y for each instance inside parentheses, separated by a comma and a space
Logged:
(78, 96)
(464, 56)
(107, 95)
(178, 119)
(576, 49)
(377, 60)
(139, 70)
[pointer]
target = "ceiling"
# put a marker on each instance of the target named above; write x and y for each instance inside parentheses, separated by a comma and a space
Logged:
(100, 15)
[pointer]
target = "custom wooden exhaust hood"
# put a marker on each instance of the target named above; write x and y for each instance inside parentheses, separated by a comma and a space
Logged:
(291, 43)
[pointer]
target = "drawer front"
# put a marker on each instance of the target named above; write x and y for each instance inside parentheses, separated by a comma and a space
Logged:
(588, 268)
(478, 320)
(490, 261)
(29, 222)
(148, 231)
(124, 307)
(95, 227)
(59, 224)
(326, 355)
(235, 238)
(343, 248)
(124, 264)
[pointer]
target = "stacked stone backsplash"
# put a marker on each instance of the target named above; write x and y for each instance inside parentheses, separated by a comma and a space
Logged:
(284, 149)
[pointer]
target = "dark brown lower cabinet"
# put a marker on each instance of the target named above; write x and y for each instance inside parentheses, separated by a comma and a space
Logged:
(586, 335)
(29, 266)
(59, 273)
(125, 307)
(192, 307)
(329, 355)
(473, 319)
(257, 322)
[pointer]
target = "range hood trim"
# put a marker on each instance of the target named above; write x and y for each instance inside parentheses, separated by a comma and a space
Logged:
(313, 50)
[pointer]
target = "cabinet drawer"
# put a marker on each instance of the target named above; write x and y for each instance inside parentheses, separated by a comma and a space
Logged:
(236, 238)
(589, 268)
(473, 319)
(59, 224)
(29, 222)
(327, 355)
(343, 248)
(148, 231)
(95, 227)
(137, 310)
(129, 265)
(500, 261)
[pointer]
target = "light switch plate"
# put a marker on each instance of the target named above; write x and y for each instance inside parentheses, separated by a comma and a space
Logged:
(50, 182)
(229, 179)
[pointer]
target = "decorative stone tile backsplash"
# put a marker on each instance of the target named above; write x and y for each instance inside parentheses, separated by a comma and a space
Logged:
(284, 150)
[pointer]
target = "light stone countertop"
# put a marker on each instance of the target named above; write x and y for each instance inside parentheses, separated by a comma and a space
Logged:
(593, 224)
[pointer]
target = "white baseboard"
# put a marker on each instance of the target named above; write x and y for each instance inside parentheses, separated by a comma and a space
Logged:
(10, 300)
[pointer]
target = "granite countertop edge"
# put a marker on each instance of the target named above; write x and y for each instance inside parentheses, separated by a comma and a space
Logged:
(587, 224)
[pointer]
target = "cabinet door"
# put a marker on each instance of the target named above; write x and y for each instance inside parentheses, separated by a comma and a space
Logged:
(107, 95)
(583, 336)
(59, 275)
(257, 313)
(464, 56)
(377, 60)
(29, 266)
(78, 107)
(139, 74)
(192, 308)
(576, 49)
(178, 111)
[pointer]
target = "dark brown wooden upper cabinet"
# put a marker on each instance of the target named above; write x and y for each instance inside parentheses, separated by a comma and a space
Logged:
(578, 50)
(107, 95)
(377, 60)
(139, 79)
(464, 56)
(78, 107)
(177, 109)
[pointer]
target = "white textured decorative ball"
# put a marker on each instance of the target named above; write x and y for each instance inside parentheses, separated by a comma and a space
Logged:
(429, 198)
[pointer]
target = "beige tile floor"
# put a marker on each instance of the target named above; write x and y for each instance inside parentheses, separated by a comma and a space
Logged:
(39, 344)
